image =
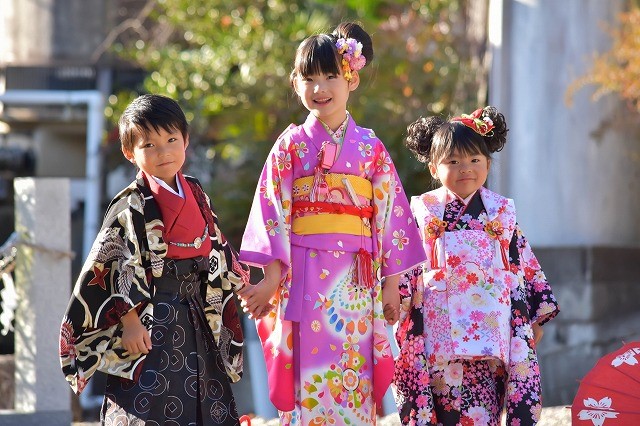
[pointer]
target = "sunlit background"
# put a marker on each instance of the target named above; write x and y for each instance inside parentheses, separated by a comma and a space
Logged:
(566, 74)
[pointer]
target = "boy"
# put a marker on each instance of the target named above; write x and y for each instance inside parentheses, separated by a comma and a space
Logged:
(152, 306)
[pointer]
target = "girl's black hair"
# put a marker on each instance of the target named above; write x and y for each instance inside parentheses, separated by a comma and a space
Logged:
(432, 139)
(318, 54)
(150, 112)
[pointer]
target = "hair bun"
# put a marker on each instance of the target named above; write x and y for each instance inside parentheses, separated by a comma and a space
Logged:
(498, 136)
(353, 30)
(420, 136)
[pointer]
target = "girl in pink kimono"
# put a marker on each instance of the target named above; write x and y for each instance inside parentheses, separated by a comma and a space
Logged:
(331, 226)
(472, 315)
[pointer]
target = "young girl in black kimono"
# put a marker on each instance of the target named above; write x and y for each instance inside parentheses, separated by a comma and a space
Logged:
(472, 314)
(153, 305)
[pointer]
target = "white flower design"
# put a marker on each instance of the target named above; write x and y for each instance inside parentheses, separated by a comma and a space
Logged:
(602, 411)
(629, 357)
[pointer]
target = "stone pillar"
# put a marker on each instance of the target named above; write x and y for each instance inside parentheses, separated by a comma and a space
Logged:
(573, 171)
(43, 274)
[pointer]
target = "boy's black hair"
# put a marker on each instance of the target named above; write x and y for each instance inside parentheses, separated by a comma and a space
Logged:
(147, 113)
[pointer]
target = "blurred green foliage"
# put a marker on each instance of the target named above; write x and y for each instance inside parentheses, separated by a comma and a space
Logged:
(616, 70)
(228, 64)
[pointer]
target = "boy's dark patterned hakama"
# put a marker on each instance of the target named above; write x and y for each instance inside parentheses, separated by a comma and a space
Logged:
(183, 379)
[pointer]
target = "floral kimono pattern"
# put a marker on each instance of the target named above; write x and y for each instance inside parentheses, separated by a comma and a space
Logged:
(468, 383)
(325, 345)
(118, 275)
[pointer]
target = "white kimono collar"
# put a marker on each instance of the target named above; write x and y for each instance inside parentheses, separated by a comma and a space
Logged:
(163, 184)
(492, 201)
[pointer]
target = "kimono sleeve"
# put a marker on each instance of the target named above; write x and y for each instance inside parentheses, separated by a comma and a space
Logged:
(233, 273)
(113, 281)
(540, 300)
(226, 275)
(411, 368)
(267, 235)
(411, 313)
(400, 247)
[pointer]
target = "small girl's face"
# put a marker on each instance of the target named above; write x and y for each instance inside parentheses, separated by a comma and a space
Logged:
(462, 173)
(326, 95)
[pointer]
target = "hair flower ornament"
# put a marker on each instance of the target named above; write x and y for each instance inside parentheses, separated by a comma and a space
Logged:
(476, 122)
(352, 57)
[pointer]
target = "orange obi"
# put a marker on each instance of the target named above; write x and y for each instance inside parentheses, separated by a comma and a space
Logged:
(323, 217)
(361, 186)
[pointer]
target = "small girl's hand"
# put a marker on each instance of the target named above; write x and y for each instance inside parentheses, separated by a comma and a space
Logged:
(135, 337)
(537, 332)
(391, 314)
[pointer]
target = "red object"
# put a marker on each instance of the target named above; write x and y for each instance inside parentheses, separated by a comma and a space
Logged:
(475, 122)
(322, 207)
(609, 394)
(328, 155)
(364, 262)
(245, 419)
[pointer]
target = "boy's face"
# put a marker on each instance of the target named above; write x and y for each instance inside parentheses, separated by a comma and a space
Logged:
(160, 154)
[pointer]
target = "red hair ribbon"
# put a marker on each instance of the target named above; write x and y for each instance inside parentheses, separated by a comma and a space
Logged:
(435, 229)
(475, 121)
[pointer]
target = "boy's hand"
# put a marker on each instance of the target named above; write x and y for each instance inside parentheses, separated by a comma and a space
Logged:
(135, 337)
(391, 299)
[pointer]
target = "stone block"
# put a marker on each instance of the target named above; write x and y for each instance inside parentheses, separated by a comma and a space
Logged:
(563, 264)
(615, 264)
(7, 382)
(592, 283)
(43, 286)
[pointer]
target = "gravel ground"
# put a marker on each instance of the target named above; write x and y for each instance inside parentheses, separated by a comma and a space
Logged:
(551, 416)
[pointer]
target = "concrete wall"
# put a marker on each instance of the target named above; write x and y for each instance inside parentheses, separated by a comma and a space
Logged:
(67, 30)
(572, 169)
(61, 144)
(598, 292)
(574, 173)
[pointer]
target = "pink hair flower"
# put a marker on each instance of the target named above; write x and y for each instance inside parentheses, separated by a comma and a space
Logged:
(352, 57)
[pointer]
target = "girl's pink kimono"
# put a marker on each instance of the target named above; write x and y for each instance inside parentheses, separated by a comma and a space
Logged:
(325, 344)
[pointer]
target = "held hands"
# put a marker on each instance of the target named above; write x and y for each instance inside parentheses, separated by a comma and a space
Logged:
(135, 337)
(255, 298)
(391, 299)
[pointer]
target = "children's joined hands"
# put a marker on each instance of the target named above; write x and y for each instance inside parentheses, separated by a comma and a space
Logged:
(255, 299)
(391, 299)
(391, 314)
